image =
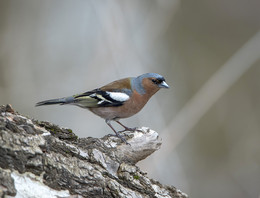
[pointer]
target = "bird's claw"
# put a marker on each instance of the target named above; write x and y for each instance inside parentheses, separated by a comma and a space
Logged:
(120, 137)
(129, 129)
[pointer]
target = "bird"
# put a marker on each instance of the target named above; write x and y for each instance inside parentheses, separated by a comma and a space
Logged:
(117, 100)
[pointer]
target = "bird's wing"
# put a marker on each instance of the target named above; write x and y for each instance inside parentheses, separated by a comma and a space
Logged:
(101, 98)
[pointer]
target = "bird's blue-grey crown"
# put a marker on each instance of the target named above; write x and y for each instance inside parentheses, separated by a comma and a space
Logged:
(137, 82)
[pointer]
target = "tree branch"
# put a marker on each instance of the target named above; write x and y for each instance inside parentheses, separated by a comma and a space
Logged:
(40, 159)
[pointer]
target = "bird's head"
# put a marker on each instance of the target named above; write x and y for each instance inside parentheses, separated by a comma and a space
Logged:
(149, 82)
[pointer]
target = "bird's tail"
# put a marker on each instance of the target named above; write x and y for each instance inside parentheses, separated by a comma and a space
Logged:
(61, 101)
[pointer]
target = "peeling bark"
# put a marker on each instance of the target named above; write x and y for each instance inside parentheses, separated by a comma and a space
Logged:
(40, 159)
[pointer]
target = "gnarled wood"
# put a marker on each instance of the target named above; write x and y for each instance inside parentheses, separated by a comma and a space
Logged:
(39, 159)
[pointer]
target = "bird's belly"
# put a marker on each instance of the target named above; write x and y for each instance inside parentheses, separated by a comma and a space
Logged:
(112, 113)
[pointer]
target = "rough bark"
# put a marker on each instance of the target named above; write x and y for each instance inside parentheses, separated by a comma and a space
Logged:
(40, 159)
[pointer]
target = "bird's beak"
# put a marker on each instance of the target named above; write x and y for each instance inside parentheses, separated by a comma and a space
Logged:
(164, 85)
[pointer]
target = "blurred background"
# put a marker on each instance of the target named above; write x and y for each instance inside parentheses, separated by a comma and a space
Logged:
(207, 50)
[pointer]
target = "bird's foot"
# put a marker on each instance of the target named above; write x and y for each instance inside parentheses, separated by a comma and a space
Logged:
(129, 129)
(120, 137)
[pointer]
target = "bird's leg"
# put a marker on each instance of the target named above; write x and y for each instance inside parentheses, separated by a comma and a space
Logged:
(126, 128)
(117, 134)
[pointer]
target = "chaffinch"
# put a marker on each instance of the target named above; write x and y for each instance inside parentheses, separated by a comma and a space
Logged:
(119, 99)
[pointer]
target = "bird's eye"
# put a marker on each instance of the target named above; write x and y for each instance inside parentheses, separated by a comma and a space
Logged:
(157, 81)
(154, 81)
